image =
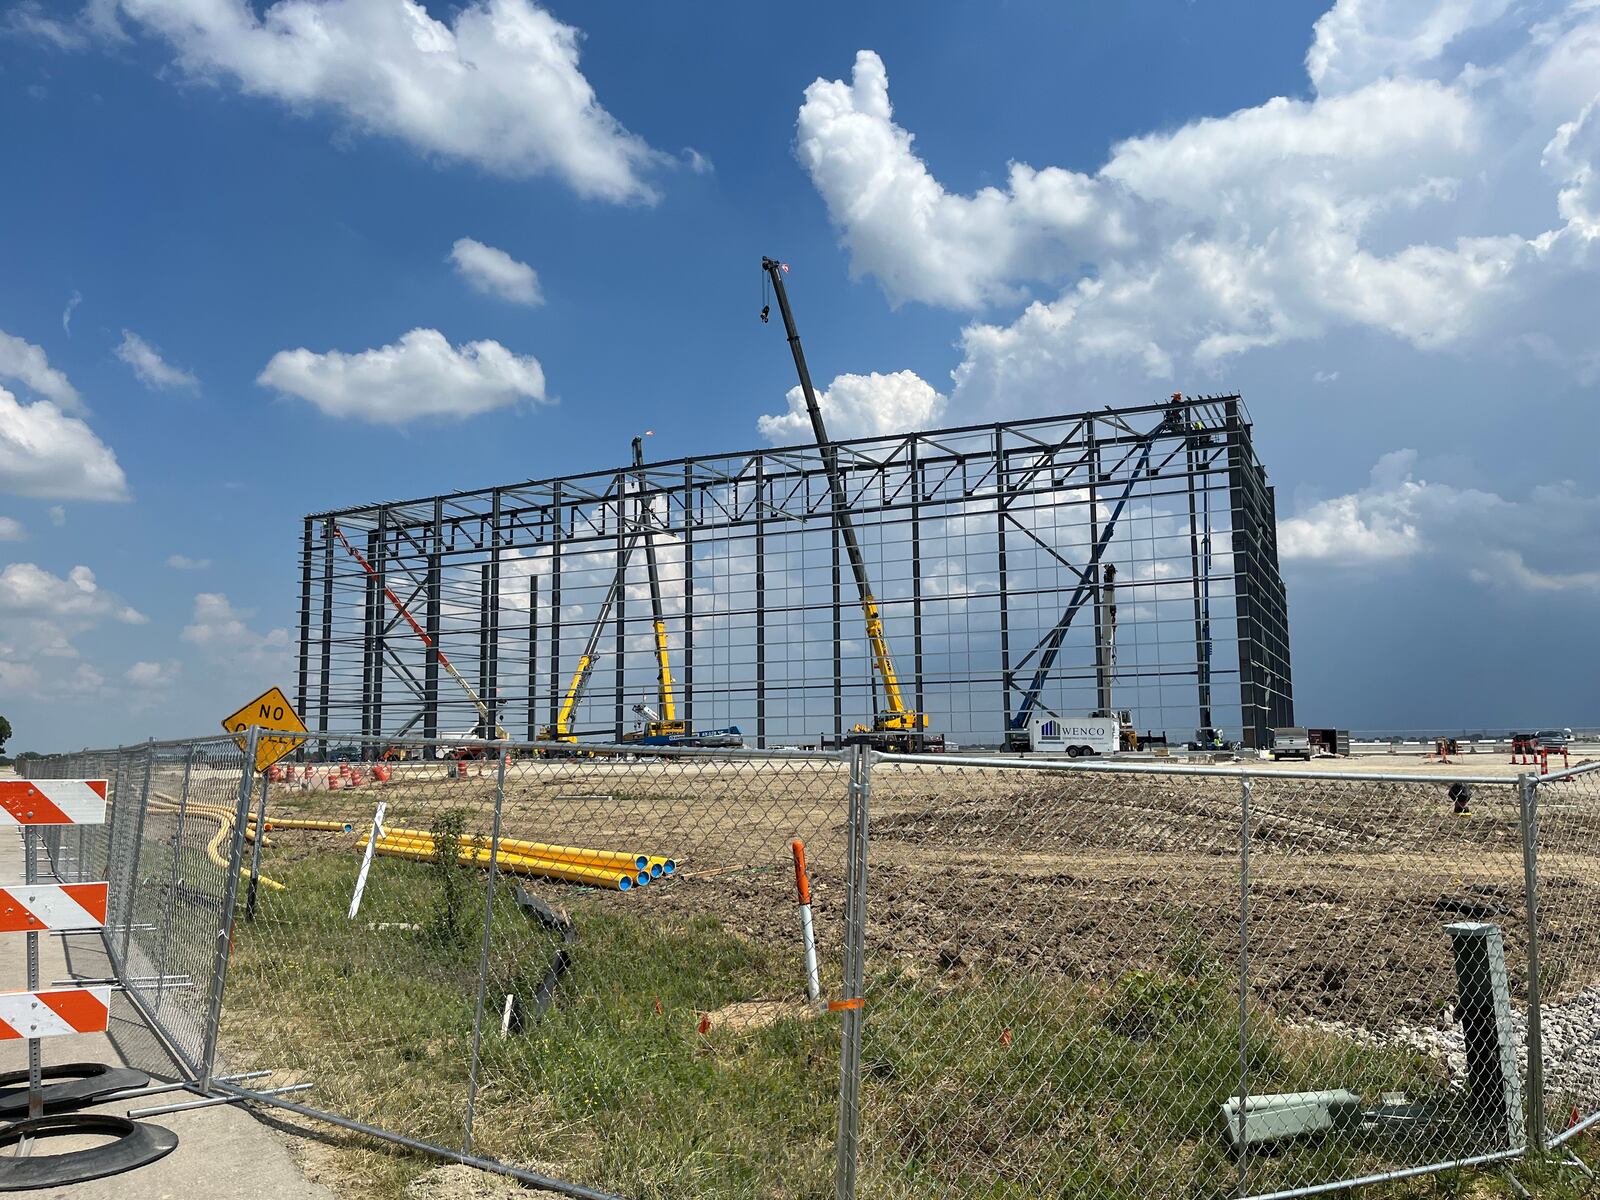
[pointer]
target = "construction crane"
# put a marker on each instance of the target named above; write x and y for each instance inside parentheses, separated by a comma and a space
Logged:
(895, 727)
(661, 724)
(561, 730)
(662, 728)
(1049, 646)
(486, 719)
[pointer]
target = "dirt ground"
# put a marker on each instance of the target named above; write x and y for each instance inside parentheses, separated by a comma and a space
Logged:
(1085, 875)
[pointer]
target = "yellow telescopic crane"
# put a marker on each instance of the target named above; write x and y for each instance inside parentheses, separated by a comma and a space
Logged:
(896, 726)
(663, 722)
(561, 731)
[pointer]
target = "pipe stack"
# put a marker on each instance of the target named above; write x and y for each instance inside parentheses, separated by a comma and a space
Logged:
(613, 869)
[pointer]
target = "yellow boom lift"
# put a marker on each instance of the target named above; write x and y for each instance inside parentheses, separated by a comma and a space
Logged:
(662, 721)
(562, 730)
(662, 725)
(895, 727)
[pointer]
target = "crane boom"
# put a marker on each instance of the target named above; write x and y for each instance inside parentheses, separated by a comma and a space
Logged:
(896, 716)
(444, 661)
(666, 719)
(562, 729)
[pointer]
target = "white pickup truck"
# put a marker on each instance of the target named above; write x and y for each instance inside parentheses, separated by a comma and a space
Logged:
(1291, 742)
(1074, 736)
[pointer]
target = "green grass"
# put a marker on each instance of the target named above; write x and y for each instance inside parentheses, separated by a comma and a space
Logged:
(985, 1085)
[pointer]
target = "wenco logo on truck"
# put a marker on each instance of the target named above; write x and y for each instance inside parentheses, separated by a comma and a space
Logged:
(1074, 737)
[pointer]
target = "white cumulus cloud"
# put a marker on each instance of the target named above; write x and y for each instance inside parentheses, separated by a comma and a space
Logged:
(1544, 541)
(1467, 224)
(40, 615)
(30, 590)
(495, 273)
(497, 84)
(153, 370)
(11, 530)
(859, 406)
(153, 674)
(28, 365)
(223, 634)
(421, 375)
(48, 455)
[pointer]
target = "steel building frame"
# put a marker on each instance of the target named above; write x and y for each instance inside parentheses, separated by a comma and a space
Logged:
(976, 536)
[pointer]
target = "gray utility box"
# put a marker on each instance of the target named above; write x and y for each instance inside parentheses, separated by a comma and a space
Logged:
(1494, 1082)
(1289, 1115)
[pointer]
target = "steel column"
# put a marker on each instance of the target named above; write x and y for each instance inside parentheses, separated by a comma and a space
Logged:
(380, 618)
(915, 475)
(303, 673)
(1003, 575)
(838, 636)
(687, 703)
(432, 606)
(761, 609)
(533, 654)
(619, 697)
(555, 605)
(327, 631)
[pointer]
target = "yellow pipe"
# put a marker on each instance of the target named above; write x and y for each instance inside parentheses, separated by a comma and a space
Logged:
(479, 856)
(471, 855)
(302, 823)
(513, 864)
(214, 852)
(224, 818)
(623, 860)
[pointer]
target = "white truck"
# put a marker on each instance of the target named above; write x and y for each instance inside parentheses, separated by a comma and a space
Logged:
(1074, 736)
(1291, 741)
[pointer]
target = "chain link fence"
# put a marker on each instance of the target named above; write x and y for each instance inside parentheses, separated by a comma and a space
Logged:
(165, 849)
(1109, 979)
(1567, 846)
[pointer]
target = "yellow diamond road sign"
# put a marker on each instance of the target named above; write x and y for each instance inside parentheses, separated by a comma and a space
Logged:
(270, 710)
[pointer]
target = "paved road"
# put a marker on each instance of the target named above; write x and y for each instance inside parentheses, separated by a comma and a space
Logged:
(223, 1153)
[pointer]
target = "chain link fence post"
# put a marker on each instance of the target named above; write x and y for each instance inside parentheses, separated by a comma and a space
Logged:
(119, 897)
(255, 852)
(138, 846)
(176, 881)
(1528, 787)
(224, 943)
(1244, 985)
(483, 954)
(853, 979)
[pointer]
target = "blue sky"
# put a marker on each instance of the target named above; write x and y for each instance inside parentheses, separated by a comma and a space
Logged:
(1379, 222)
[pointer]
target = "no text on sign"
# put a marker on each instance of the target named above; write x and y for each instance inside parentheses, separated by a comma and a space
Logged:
(270, 710)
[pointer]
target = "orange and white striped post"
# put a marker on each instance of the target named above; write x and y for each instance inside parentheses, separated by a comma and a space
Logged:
(32, 906)
(807, 933)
